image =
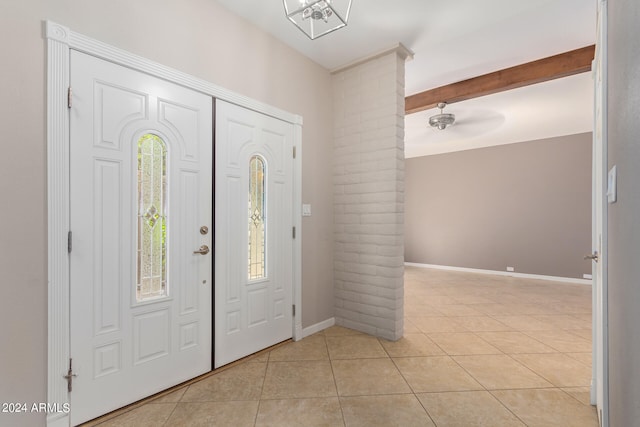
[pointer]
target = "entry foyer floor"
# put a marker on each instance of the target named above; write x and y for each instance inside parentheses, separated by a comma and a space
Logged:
(478, 350)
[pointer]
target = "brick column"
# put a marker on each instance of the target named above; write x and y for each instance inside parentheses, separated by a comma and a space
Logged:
(368, 178)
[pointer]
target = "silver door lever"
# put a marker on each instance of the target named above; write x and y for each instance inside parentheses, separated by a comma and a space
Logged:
(593, 256)
(204, 249)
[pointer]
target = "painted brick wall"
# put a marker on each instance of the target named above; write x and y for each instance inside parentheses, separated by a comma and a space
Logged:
(368, 178)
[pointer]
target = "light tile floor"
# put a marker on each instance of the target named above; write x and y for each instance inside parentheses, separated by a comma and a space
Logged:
(478, 350)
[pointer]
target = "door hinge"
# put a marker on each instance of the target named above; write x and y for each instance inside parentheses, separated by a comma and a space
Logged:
(69, 241)
(69, 376)
(69, 97)
(294, 232)
(294, 151)
(293, 309)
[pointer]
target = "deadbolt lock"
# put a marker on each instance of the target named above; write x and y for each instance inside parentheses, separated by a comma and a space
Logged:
(204, 230)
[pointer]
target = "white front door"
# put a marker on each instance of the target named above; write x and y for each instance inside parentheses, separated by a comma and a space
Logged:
(140, 298)
(254, 234)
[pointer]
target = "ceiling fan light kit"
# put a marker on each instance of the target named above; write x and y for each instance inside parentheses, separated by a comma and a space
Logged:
(317, 18)
(442, 120)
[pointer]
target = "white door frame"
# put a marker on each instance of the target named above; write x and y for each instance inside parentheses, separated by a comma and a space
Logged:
(60, 40)
(600, 364)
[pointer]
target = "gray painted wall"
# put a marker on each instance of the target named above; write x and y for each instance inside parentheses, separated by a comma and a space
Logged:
(524, 205)
(624, 215)
(199, 37)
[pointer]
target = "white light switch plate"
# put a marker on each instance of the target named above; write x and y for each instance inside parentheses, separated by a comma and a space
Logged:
(306, 210)
(611, 185)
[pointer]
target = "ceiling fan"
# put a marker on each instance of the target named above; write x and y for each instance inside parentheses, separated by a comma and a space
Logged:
(442, 120)
(473, 122)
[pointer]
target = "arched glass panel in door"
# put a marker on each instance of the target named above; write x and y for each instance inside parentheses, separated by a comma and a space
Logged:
(151, 265)
(256, 216)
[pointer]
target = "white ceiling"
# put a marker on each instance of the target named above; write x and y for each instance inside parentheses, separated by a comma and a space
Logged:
(457, 40)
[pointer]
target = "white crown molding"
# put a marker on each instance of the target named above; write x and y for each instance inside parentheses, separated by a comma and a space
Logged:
(401, 50)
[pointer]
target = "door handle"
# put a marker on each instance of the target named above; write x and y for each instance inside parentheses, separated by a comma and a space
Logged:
(204, 249)
(593, 256)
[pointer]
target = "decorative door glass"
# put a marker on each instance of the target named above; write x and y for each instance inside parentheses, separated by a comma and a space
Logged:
(257, 264)
(152, 221)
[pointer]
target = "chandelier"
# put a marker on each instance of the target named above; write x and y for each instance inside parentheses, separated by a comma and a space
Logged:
(316, 18)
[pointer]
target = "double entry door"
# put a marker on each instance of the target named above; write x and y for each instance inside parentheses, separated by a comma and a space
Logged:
(142, 238)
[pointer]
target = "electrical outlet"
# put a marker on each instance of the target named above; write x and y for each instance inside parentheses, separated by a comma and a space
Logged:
(511, 269)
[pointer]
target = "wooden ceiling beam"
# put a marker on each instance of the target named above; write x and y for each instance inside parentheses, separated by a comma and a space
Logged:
(554, 67)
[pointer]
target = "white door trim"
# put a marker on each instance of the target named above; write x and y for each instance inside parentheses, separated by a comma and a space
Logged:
(600, 364)
(60, 40)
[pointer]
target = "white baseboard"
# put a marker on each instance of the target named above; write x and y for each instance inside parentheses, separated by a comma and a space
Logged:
(310, 330)
(503, 273)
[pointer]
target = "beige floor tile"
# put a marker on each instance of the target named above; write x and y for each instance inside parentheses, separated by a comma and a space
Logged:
(458, 310)
(309, 348)
(481, 324)
(339, 331)
(581, 394)
(501, 309)
(534, 309)
(289, 380)
(214, 414)
(368, 377)
(557, 368)
(401, 410)
(437, 324)
(462, 343)
(472, 299)
(260, 357)
(324, 412)
(505, 298)
(573, 308)
(421, 310)
(172, 397)
(242, 382)
(524, 323)
(439, 300)
(409, 327)
(149, 415)
(585, 317)
(565, 321)
(355, 347)
(584, 358)
(411, 345)
(515, 342)
(468, 408)
(500, 372)
(563, 341)
(586, 334)
(436, 373)
(550, 407)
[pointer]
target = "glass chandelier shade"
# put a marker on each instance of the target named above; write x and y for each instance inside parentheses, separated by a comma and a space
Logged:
(316, 18)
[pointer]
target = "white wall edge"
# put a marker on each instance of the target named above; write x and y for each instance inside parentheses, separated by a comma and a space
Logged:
(298, 333)
(320, 326)
(503, 273)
